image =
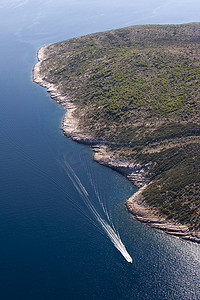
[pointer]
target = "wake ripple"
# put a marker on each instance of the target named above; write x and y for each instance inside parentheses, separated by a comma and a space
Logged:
(106, 224)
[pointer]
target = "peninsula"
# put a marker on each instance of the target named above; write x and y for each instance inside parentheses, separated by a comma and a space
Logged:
(133, 95)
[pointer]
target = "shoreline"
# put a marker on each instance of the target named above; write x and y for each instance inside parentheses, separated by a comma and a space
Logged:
(133, 172)
(145, 214)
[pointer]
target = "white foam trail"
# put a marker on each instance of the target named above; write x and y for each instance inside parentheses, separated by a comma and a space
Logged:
(109, 229)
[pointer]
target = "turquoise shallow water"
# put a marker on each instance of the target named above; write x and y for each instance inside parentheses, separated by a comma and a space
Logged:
(49, 249)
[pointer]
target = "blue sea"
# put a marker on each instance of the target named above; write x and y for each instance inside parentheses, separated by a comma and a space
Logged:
(51, 246)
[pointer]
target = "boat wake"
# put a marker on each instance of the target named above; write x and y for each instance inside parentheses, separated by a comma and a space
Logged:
(103, 219)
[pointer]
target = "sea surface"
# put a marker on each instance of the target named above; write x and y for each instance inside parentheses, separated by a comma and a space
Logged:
(51, 246)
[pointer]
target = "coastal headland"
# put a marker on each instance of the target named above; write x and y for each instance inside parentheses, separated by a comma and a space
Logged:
(132, 94)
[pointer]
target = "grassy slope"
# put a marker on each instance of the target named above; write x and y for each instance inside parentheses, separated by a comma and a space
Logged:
(139, 86)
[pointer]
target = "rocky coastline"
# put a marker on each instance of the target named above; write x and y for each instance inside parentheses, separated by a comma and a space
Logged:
(145, 214)
(132, 171)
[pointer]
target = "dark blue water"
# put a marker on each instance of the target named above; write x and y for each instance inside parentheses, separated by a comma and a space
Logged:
(48, 248)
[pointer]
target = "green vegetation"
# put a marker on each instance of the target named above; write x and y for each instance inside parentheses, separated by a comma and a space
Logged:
(139, 87)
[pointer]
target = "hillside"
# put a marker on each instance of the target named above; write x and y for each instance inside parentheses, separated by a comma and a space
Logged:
(136, 89)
